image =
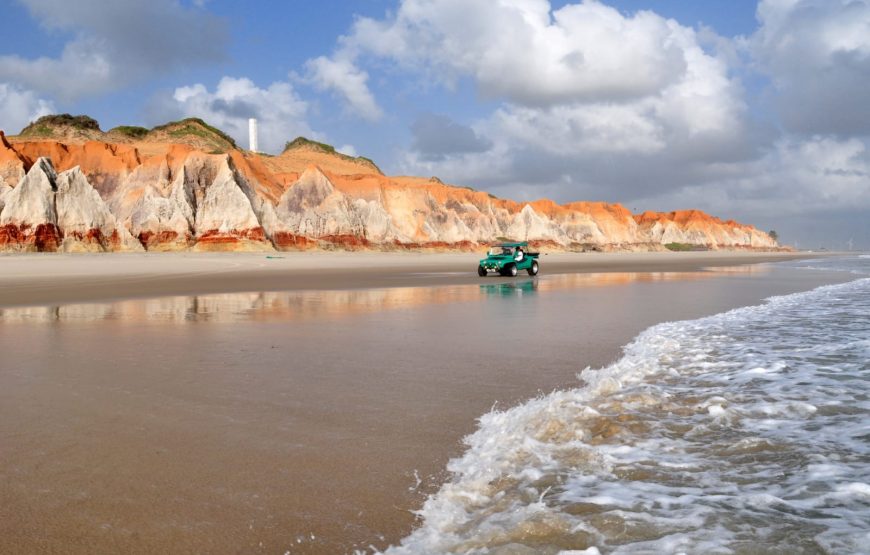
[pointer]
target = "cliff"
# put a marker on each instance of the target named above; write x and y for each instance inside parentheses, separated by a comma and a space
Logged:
(67, 185)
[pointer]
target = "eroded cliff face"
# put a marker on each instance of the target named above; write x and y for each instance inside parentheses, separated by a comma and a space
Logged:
(29, 218)
(84, 221)
(49, 212)
(110, 197)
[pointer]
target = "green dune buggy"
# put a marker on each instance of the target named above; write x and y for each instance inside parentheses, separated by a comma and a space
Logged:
(508, 259)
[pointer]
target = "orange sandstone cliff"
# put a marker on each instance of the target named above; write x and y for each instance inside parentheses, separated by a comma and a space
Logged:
(67, 186)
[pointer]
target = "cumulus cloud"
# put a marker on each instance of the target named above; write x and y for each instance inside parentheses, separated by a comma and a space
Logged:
(437, 136)
(793, 177)
(817, 53)
(115, 43)
(815, 191)
(82, 69)
(599, 104)
(19, 107)
(594, 103)
(582, 77)
(517, 50)
(346, 79)
(522, 51)
(279, 110)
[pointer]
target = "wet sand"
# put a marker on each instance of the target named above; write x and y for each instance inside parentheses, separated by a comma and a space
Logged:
(59, 278)
(300, 421)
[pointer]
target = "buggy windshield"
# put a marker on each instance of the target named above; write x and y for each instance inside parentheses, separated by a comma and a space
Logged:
(500, 251)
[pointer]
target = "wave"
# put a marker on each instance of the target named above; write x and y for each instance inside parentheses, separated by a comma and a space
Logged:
(733, 432)
(851, 264)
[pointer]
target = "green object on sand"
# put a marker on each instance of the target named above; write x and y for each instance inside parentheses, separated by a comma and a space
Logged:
(505, 259)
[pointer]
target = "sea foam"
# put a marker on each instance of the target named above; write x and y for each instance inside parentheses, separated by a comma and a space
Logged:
(741, 431)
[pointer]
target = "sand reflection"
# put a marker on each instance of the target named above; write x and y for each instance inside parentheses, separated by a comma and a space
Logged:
(291, 305)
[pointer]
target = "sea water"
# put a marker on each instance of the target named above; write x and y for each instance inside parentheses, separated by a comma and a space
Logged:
(744, 432)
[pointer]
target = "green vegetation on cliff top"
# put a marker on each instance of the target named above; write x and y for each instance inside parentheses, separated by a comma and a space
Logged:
(58, 125)
(197, 128)
(303, 142)
(45, 126)
(132, 131)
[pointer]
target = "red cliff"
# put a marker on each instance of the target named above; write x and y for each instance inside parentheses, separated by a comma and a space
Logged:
(163, 188)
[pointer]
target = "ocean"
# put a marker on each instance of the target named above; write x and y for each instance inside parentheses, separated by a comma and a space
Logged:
(743, 432)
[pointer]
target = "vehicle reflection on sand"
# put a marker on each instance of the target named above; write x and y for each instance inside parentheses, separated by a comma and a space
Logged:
(511, 288)
(292, 305)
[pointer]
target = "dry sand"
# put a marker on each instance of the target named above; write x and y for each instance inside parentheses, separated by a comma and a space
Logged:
(300, 421)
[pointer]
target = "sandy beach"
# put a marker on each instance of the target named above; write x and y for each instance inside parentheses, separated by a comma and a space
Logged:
(300, 404)
(58, 278)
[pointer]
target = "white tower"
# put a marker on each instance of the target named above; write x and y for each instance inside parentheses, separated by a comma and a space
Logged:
(252, 135)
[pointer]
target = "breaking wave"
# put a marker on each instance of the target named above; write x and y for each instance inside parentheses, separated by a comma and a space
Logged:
(744, 431)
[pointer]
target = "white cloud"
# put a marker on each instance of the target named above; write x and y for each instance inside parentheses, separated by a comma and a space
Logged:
(793, 177)
(647, 109)
(82, 69)
(348, 150)
(19, 107)
(703, 107)
(279, 110)
(436, 136)
(584, 77)
(817, 53)
(115, 43)
(676, 133)
(516, 50)
(815, 192)
(523, 52)
(346, 79)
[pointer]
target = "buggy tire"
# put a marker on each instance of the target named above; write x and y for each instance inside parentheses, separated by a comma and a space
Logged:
(510, 270)
(481, 271)
(533, 269)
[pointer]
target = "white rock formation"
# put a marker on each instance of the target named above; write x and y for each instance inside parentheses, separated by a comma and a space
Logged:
(313, 207)
(226, 215)
(29, 220)
(4, 190)
(84, 218)
(527, 224)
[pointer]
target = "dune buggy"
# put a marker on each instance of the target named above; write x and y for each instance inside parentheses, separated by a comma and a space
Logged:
(508, 259)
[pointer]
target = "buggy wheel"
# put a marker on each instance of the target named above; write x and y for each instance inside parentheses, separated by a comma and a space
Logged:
(481, 271)
(510, 270)
(533, 269)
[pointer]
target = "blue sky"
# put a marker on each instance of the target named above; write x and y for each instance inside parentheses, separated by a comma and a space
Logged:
(746, 110)
(266, 45)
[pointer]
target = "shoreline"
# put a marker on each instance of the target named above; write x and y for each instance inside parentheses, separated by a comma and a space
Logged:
(46, 279)
(318, 420)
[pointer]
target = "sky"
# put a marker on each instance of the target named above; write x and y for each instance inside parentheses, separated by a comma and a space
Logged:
(756, 111)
